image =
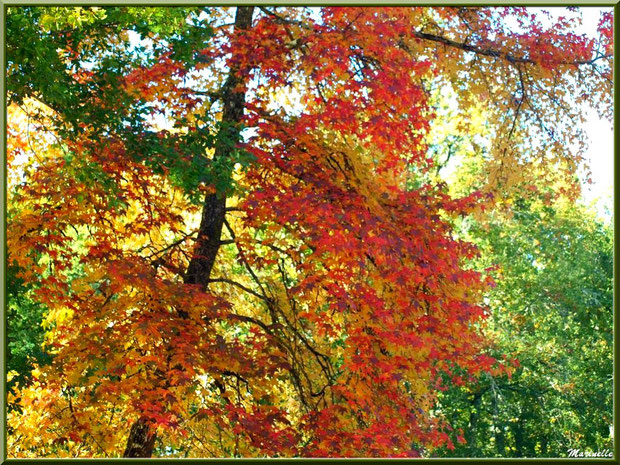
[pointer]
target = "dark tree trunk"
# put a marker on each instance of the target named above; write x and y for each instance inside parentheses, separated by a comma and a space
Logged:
(470, 434)
(498, 428)
(208, 240)
(141, 440)
(519, 442)
(214, 208)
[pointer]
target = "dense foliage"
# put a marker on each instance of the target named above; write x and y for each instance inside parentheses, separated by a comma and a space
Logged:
(552, 311)
(230, 224)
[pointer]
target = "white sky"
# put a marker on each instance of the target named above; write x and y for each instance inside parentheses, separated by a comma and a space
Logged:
(600, 154)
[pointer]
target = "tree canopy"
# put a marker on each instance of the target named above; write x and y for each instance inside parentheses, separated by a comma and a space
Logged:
(229, 224)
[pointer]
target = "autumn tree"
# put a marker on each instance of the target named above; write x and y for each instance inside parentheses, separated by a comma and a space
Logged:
(228, 218)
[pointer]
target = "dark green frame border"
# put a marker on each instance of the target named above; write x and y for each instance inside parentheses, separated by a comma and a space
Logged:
(538, 3)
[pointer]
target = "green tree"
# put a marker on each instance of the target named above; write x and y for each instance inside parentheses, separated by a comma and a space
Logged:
(551, 309)
(24, 317)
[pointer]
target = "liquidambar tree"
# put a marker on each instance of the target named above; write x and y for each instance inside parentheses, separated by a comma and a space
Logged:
(224, 213)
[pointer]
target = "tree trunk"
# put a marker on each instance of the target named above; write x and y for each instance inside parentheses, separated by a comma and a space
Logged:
(214, 208)
(141, 440)
(470, 434)
(519, 442)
